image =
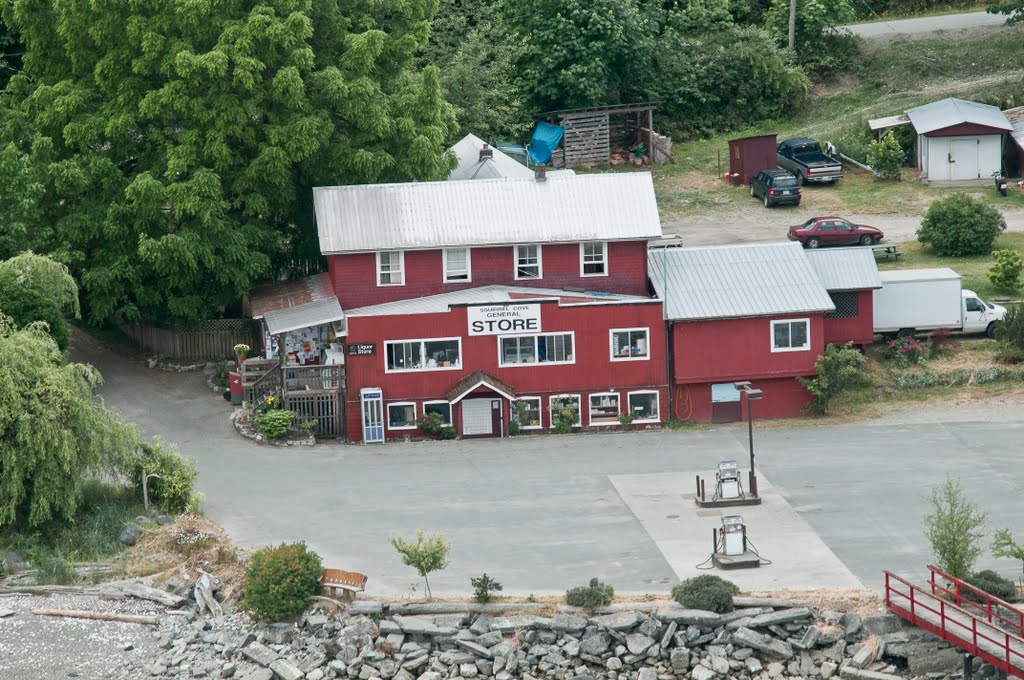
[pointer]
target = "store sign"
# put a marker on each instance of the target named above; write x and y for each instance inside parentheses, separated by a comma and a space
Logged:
(362, 350)
(501, 319)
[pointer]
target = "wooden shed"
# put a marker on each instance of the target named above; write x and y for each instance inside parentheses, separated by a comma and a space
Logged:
(749, 156)
(592, 134)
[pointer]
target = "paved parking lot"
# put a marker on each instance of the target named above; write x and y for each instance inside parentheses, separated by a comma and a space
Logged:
(544, 513)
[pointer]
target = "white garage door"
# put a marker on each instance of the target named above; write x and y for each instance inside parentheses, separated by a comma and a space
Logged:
(476, 417)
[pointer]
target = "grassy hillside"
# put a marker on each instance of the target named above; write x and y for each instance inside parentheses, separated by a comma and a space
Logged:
(886, 80)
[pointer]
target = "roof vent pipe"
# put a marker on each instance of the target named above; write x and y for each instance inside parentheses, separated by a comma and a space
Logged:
(486, 152)
(540, 173)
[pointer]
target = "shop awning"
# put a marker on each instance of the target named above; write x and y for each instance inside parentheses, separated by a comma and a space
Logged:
(290, 305)
(475, 380)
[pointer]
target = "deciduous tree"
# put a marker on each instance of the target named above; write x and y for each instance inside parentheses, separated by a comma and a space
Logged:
(176, 143)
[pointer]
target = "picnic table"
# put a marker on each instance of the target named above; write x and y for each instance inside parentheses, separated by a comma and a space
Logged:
(887, 250)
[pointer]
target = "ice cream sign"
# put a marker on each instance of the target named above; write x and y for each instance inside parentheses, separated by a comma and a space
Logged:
(502, 319)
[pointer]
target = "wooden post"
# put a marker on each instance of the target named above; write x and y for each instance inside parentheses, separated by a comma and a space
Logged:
(650, 136)
(792, 24)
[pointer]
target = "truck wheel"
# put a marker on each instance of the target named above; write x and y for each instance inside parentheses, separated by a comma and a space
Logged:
(905, 333)
(867, 240)
(751, 189)
(813, 243)
(766, 203)
(800, 179)
(991, 330)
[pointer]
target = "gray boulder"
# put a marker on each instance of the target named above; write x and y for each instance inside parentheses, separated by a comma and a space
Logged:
(130, 534)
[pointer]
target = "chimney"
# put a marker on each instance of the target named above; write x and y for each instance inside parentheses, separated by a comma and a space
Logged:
(540, 173)
(486, 152)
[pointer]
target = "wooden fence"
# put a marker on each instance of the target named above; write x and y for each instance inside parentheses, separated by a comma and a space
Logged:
(314, 393)
(213, 339)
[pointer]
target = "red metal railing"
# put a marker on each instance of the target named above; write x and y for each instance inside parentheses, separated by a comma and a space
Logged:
(992, 609)
(955, 624)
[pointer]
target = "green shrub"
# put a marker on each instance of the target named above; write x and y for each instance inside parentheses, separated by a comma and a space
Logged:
(993, 584)
(626, 419)
(448, 432)
(173, 491)
(1005, 545)
(1005, 273)
(837, 370)
(954, 528)
(565, 414)
(886, 156)
(27, 304)
(483, 588)
(591, 596)
(274, 423)
(426, 554)
(1010, 336)
(707, 592)
(916, 381)
(280, 581)
(904, 352)
(959, 225)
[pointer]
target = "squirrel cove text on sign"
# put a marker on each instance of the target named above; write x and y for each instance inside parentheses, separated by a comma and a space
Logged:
(501, 319)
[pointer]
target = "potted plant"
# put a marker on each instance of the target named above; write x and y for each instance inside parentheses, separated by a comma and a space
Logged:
(241, 351)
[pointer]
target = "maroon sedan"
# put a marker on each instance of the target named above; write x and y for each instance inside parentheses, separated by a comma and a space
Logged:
(833, 231)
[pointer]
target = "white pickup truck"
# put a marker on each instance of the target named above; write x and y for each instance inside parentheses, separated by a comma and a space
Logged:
(920, 300)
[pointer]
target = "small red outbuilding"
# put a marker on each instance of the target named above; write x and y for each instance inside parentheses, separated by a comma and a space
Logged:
(750, 155)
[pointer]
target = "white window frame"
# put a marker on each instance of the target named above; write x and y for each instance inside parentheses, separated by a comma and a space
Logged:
(501, 355)
(540, 413)
(604, 260)
(401, 268)
(657, 399)
(590, 408)
(611, 344)
(447, 423)
(776, 322)
(551, 409)
(540, 262)
(423, 350)
(444, 266)
(387, 415)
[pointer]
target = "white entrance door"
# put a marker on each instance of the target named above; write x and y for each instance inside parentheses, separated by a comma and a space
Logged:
(963, 159)
(476, 417)
(372, 410)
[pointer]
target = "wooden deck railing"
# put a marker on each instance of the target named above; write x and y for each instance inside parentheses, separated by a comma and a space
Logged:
(314, 393)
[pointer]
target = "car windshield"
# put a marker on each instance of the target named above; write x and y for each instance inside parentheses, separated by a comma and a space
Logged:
(809, 223)
(785, 182)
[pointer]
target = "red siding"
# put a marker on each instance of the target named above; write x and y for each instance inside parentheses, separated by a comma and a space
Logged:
(354, 275)
(739, 349)
(750, 155)
(860, 330)
(965, 129)
(783, 398)
(593, 370)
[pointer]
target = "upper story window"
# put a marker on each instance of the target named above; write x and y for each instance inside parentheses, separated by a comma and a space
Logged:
(792, 335)
(528, 264)
(551, 348)
(629, 344)
(594, 259)
(391, 268)
(436, 354)
(457, 266)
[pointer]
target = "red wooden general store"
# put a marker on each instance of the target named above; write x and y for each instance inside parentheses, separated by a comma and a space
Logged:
(535, 302)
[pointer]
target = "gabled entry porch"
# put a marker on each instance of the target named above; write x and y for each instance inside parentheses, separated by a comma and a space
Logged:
(481, 405)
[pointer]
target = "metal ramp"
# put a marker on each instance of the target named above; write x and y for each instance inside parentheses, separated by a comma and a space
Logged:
(969, 618)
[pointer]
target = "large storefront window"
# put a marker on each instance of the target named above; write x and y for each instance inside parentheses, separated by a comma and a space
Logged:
(442, 408)
(402, 416)
(644, 407)
(604, 408)
(565, 408)
(526, 412)
(441, 354)
(553, 348)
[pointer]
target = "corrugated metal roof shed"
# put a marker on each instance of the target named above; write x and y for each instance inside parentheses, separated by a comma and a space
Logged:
(471, 166)
(495, 293)
(569, 208)
(845, 268)
(304, 316)
(1016, 118)
(284, 294)
(722, 282)
(952, 111)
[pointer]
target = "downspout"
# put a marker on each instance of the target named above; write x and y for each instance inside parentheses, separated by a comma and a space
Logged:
(669, 326)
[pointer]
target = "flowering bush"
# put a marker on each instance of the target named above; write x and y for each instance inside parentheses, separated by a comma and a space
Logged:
(242, 349)
(904, 352)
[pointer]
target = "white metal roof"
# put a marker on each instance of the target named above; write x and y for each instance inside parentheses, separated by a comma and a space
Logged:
(845, 268)
(303, 316)
(492, 294)
(888, 122)
(953, 111)
(467, 152)
(933, 274)
(1016, 118)
(565, 208)
(721, 282)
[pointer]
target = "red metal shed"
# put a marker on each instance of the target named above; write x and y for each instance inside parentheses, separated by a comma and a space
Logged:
(749, 156)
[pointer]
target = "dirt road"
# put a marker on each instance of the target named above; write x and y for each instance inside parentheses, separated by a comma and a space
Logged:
(760, 225)
(967, 21)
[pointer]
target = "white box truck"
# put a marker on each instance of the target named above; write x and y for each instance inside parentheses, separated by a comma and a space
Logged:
(917, 300)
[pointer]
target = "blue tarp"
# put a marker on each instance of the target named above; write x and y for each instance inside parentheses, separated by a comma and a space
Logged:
(544, 142)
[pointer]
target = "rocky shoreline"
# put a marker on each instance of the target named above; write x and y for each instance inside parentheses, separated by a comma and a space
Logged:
(766, 640)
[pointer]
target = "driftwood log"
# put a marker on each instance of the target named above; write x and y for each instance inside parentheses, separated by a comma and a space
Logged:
(99, 616)
(144, 592)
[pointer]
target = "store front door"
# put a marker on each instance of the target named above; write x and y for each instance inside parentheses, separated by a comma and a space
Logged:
(481, 417)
